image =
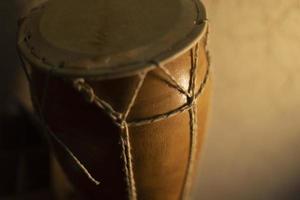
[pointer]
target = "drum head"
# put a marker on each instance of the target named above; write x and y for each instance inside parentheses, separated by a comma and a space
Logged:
(104, 38)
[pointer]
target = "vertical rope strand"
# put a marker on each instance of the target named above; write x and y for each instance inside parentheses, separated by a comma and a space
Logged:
(192, 152)
(127, 156)
(126, 167)
(126, 145)
(193, 126)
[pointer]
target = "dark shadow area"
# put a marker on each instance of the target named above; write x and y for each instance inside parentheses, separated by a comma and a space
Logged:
(24, 157)
(24, 153)
(8, 53)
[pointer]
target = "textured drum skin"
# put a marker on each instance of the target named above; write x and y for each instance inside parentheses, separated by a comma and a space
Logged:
(160, 150)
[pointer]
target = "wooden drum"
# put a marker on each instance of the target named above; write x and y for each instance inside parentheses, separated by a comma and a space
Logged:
(122, 88)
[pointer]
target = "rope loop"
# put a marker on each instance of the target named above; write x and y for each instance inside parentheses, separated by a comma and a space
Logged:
(85, 89)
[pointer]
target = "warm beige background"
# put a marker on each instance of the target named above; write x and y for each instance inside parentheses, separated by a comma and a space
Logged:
(253, 142)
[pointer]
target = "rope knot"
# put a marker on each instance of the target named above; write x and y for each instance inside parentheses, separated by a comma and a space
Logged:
(191, 101)
(121, 122)
(87, 91)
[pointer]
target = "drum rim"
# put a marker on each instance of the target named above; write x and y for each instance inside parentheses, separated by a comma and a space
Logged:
(197, 33)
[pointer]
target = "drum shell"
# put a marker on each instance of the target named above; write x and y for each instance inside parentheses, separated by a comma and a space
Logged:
(160, 149)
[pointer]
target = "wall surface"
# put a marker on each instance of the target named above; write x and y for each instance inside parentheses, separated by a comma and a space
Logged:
(253, 142)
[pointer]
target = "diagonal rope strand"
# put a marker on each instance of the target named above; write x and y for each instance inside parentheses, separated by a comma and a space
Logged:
(182, 108)
(142, 77)
(81, 86)
(63, 145)
(174, 81)
(42, 120)
(195, 59)
(86, 172)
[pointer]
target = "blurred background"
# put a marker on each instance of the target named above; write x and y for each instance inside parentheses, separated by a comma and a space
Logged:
(253, 138)
(253, 141)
